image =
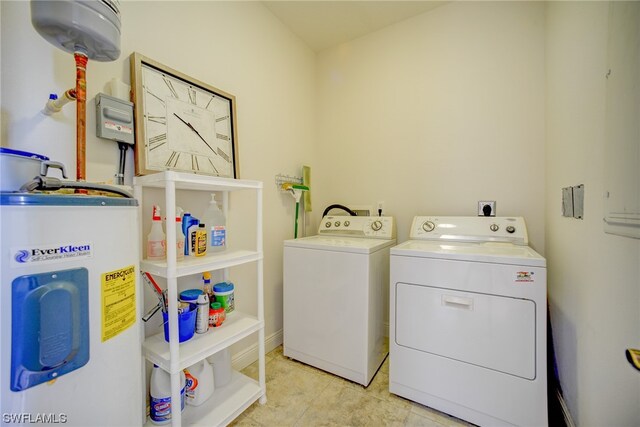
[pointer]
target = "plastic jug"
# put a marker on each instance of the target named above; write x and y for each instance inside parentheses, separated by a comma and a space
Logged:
(160, 394)
(216, 226)
(221, 362)
(200, 383)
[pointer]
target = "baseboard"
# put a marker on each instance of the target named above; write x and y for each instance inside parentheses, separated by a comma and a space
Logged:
(246, 357)
(565, 410)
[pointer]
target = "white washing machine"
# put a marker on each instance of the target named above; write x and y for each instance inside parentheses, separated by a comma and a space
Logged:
(336, 287)
(468, 320)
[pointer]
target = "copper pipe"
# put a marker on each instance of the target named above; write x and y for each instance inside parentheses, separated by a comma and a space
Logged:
(81, 114)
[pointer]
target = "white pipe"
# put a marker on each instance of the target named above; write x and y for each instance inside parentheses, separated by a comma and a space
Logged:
(55, 104)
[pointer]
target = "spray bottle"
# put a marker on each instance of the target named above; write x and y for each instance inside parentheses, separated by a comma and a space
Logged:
(156, 241)
(216, 226)
(179, 235)
(202, 315)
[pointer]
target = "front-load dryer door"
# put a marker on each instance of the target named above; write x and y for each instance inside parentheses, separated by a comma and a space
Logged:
(490, 331)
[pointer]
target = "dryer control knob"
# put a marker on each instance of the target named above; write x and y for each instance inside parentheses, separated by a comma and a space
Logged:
(337, 223)
(428, 226)
(376, 225)
(327, 224)
(347, 223)
(494, 227)
(511, 229)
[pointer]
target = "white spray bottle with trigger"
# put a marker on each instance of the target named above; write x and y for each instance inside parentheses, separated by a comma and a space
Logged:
(216, 224)
(179, 235)
(156, 241)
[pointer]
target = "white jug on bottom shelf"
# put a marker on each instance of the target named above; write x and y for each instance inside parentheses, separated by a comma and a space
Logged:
(221, 362)
(200, 383)
(160, 394)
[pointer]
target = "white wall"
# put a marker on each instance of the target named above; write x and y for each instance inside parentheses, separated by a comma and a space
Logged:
(437, 112)
(429, 116)
(594, 285)
(239, 47)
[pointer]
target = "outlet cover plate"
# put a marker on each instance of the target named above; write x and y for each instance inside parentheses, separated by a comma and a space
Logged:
(490, 203)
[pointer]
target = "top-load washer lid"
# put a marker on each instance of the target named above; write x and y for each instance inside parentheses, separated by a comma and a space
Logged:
(340, 244)
(489, 252)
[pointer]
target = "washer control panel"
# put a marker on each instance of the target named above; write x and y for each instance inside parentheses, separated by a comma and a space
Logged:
(374, 227)
(470, 229)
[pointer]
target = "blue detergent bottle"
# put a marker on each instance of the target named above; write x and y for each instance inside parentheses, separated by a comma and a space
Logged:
(188, 221)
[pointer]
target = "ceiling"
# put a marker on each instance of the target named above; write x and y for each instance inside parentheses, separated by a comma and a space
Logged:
(322, 24)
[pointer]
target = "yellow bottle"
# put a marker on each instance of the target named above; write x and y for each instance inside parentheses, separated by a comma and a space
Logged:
(199, 241)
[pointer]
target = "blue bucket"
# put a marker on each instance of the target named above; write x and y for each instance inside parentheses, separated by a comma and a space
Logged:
(186, 324)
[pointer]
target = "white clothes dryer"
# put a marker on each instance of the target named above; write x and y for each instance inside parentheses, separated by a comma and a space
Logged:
(468, 320)
(336, 287)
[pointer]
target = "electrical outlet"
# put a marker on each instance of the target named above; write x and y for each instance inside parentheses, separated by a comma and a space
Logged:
(487, 208)
(380, 208)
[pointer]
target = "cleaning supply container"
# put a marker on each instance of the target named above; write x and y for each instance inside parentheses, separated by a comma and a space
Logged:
(156, 240)
(186, 324)
(200, 383)
(221, 363)
(18, 167)
(160, 395)
(217, 314)
(202, 316)
(224, 294)
(216, 226)
(190, 295)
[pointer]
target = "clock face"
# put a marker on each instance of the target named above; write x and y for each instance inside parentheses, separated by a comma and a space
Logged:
(187, 126)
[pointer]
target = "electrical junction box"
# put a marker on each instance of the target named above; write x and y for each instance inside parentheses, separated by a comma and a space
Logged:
(114, 119)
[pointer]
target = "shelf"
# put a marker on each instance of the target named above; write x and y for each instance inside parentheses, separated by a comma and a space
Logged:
(230, 401)
(225, 405)
(190, 181)
(235, 327)
(195, 265)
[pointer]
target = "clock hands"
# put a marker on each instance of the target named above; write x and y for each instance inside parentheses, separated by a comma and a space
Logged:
(190, 126)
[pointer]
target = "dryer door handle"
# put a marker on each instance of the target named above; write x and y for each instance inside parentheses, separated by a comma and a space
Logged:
(457, 302)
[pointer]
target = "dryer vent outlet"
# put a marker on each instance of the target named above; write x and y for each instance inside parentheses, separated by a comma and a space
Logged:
(487, 208)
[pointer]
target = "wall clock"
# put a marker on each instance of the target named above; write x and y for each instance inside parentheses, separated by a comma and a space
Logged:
(182, 124)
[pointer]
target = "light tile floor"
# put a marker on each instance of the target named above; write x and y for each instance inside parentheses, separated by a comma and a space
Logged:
(301, 395)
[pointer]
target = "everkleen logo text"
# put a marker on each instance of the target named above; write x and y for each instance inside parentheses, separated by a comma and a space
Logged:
(61, 250)
(51, 253)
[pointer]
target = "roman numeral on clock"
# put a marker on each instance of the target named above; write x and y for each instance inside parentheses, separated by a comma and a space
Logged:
(173, 160)
(157, 141)
(171, 88)
(158, 119)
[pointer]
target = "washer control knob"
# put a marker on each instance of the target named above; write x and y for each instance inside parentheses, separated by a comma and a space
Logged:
(511, 229)
(337, 223)
(376, 225)
(428, 226)
(494, 227)
(347, 223)
(327, 224)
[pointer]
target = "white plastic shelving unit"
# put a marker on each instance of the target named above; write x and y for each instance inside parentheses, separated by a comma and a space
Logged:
(230, 401)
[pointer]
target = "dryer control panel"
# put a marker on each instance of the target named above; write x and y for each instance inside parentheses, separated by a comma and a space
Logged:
(470, 229)
(373, 227)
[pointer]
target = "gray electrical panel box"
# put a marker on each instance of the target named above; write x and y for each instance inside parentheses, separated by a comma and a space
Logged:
(114, 119)
(573, 201)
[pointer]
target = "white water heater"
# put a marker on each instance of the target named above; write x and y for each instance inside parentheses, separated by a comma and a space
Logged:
(70, 311)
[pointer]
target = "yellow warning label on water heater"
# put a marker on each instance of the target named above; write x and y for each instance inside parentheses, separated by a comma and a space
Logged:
(118, 301)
